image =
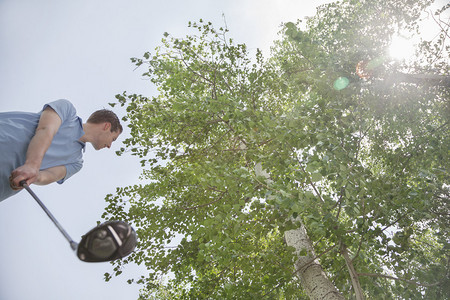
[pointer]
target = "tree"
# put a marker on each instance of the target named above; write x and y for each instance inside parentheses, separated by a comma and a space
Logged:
(268, 176)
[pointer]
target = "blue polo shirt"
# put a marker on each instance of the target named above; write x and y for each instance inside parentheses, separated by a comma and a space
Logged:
(18, 128)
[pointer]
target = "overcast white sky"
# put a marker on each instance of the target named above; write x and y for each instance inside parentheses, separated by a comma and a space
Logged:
(79, 50)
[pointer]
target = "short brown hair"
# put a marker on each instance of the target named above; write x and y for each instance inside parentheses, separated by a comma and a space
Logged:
(105, 115)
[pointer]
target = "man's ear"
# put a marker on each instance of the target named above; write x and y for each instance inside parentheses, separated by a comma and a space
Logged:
(107, 126)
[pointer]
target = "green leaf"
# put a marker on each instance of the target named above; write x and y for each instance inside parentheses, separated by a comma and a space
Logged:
(303, 252)
(316, 177)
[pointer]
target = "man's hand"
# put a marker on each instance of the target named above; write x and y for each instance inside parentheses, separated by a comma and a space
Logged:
(13, 185)
(28, 173)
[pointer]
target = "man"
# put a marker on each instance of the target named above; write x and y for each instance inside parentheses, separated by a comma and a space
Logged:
(45, 147)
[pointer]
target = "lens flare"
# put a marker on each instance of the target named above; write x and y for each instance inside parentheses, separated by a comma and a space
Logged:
(341, 83)
(362, 70)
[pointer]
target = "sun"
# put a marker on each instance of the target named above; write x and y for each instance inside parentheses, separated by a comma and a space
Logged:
(402, 48)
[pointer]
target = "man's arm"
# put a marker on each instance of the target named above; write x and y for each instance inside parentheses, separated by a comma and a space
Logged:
(46, 176)
(51, 175)
(49, 124)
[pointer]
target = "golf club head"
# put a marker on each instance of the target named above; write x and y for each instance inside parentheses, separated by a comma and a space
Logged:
(108, 241)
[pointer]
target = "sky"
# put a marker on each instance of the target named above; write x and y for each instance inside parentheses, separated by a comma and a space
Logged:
(80, 51)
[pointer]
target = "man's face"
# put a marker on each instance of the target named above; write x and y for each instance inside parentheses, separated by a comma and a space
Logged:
(105, 137)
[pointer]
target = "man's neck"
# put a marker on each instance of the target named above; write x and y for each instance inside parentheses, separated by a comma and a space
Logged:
(87, 129)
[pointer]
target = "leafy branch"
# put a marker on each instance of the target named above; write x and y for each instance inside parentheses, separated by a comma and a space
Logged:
(405, 280)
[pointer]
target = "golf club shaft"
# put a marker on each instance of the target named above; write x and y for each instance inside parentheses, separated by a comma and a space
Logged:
(73, 244)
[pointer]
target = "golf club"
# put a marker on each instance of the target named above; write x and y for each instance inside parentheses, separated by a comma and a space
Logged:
(108, 241)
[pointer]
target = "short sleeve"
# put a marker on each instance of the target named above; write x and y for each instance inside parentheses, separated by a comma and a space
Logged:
(71, 169)
(64, 108)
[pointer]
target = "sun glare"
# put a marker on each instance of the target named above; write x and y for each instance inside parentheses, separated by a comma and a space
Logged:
(401, 48)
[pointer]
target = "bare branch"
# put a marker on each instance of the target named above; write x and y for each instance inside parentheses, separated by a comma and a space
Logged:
(353, 275)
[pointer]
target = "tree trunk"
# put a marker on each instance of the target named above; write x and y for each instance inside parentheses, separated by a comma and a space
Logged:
(312, 277)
